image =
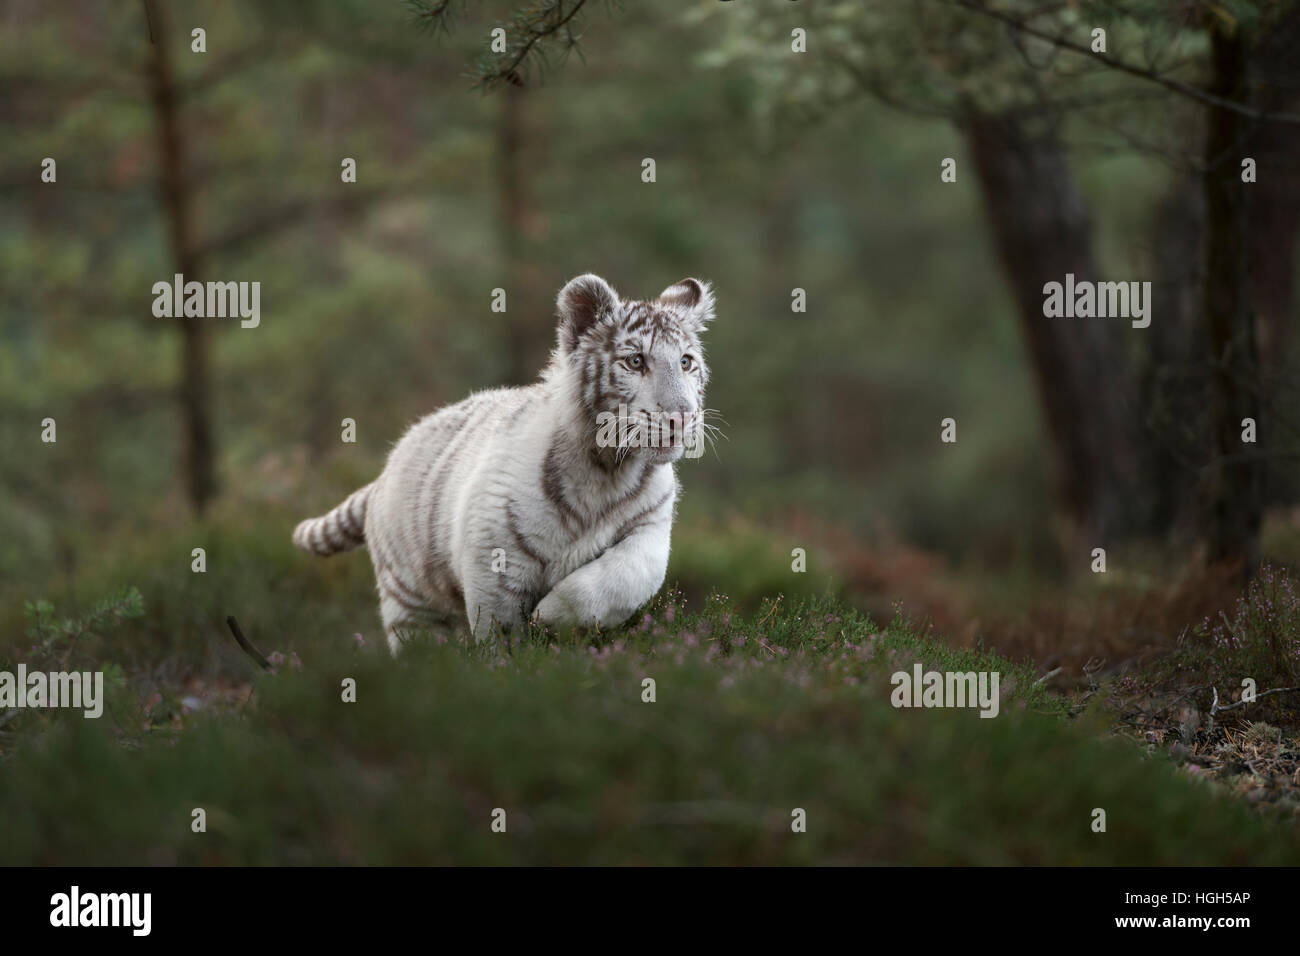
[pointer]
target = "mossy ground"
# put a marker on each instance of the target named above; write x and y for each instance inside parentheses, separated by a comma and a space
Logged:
(755, 716)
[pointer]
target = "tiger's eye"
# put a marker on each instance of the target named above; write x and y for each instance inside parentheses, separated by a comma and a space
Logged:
(635, 361)
(686, 362)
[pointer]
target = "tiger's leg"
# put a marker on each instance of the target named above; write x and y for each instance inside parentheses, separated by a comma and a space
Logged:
(490, 601)
(398, 616)
(607, 590)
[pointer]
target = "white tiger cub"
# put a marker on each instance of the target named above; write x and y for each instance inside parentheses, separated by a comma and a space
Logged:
(514, 502)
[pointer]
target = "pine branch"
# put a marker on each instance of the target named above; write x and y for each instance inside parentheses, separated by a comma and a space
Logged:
(531, 31)
(529, 28)
(1114, 63)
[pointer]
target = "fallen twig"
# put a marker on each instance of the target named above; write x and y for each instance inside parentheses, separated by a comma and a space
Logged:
(1048, 676)
(1216, 707)
(245, 645)
(1090, 671)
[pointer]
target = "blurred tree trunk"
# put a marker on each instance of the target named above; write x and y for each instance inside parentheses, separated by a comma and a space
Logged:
(1176, 375)
(1174, 378)
(1275, 227)
(177, 198)
(1042, 231)
(1275, 222)
(1275, 209)
(529, 332)
(1237, 470)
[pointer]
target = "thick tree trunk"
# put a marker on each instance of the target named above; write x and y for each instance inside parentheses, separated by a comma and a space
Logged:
(195, 389)
(1042, 231)
(1174, 379)
(1275, 228)
(1237, 469)
(1176, 376)
(1275, 208)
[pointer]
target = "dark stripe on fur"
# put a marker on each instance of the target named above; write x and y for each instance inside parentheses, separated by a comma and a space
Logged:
(397, 598)
(647, 472)
(638, 519)
(384, 565)
(554, 490)
(520, 543)
(388, 578)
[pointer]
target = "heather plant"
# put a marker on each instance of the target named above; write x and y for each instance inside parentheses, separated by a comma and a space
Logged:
(1243, 664)
(1261, 638)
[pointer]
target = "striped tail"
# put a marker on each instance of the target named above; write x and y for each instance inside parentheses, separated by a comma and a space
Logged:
(342, 529)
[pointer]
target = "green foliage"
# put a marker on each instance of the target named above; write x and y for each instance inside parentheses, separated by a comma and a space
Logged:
(755, 562)
(537, 35)
(377, 308)
(754, 717)
(70, 643)
(53, 635)
(757, 712)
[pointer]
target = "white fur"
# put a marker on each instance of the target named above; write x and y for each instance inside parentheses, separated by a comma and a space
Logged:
(502, 505)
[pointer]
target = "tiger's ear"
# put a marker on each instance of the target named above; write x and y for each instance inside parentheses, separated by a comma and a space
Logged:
(693, 299)
(582, 303)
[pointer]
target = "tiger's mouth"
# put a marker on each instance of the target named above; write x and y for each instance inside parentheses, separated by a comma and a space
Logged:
(676, 439)
(673, 432)
(662, 437)
(665, 453)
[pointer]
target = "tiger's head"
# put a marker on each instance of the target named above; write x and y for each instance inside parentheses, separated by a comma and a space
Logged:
(637, 368)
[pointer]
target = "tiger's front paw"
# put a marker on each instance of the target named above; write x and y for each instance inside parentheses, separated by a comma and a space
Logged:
(558, 608)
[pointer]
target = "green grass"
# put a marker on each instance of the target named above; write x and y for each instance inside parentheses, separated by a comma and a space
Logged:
(754, 717)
